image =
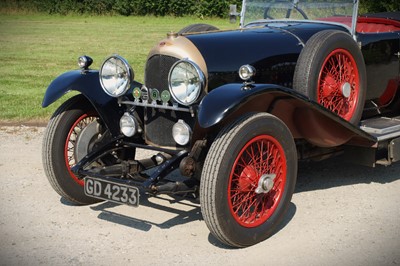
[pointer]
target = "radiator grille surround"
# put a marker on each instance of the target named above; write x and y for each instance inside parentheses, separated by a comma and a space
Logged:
(159, 122)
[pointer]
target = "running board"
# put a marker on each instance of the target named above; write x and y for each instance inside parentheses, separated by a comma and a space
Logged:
(382, 128)
(387, 149)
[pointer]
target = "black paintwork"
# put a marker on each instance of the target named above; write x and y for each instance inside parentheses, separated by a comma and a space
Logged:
(382, 64)
(87, 83)
(222, 102)
(272, 49)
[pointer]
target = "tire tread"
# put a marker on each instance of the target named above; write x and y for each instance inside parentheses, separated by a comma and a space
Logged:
(208, 185)
(49, 151)
(311, 56)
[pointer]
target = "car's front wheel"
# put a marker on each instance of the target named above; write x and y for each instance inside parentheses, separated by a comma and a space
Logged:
(69, 136)
(248, 179)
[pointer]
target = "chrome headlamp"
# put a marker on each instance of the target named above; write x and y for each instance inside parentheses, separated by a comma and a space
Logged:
(186, 81)
(128, 125)
(181, 132)
(247, 72)
(84, 62)
(116, 76)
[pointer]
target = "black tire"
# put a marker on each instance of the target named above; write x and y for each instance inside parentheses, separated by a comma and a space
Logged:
(55, 150)
(343, 92)
(225, 182)
(197, 28)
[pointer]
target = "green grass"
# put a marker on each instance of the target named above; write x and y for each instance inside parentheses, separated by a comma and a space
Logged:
(35, 49)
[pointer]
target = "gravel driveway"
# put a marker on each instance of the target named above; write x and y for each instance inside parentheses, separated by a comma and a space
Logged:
(341, 214)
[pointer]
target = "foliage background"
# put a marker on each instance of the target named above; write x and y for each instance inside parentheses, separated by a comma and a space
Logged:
(199, 8)
(372, 6)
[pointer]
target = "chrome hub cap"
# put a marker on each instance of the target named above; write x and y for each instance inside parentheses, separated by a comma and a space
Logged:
(266, 183)
(346, 89)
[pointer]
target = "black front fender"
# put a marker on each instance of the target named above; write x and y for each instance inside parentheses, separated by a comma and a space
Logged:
(225, 100)
(88, 84)
(305, 118)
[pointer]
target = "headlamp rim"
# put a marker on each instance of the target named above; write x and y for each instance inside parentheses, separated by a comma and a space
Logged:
(134, 123)
(84, 62)
(202, 80)
(250, 70)
(186, 128)
(131, 75)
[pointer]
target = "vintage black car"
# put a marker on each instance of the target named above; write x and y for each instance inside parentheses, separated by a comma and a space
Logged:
(234, 111)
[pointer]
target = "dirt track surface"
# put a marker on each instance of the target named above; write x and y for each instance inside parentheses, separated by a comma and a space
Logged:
(341, 214)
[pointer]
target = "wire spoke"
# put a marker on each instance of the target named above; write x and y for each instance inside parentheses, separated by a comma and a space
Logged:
(338, 69)
(263, 155)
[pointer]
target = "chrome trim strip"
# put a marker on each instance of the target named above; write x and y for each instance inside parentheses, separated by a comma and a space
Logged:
(354, 20)
(156, 105)
(242, 13)
(271, 22)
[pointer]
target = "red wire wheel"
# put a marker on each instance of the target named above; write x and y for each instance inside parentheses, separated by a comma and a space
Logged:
(70, 144)
(69, 136)
(261, 158)
(339, 84)
(331, 71)
(248, 179)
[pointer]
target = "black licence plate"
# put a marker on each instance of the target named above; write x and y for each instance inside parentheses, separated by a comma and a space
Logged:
(112, 191)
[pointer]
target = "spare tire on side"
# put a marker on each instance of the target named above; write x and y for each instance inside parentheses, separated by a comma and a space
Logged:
(331, 71)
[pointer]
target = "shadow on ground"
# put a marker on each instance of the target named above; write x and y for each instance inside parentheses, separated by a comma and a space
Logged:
(286, 220)
(336, 172)
(311, 176)
(182, 216)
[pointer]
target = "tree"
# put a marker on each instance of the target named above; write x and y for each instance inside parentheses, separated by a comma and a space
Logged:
(374, 6)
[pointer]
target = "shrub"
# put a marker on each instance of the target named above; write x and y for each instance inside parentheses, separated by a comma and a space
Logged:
(201, 8)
